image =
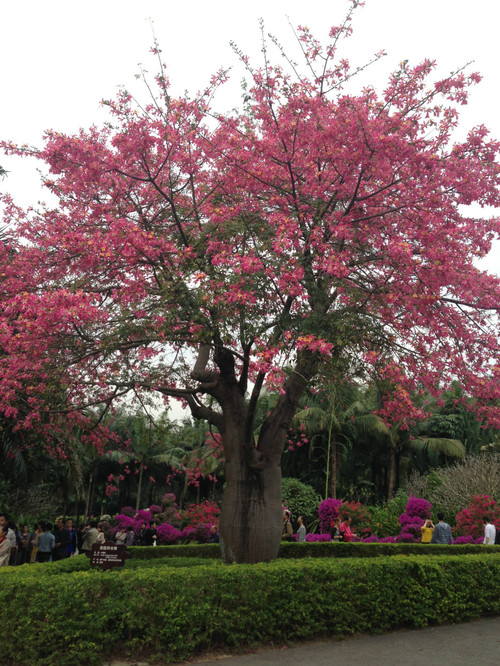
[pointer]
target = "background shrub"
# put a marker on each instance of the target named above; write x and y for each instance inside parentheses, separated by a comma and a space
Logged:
(300, 499)
(385, 519)
(451, 488)
(469, 522)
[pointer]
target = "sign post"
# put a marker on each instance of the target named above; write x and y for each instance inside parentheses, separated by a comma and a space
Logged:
(107, 555)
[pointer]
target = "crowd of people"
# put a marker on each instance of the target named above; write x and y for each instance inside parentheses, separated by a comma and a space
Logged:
(47, 542)
(341, 530)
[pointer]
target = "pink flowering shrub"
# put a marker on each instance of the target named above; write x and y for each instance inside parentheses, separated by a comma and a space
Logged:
(418, 506)
(360, 517)
(206, 512)
(318, 537)
(373, 538)
(470, 520)
(168, 534)
(328, 511)
(200, 533)
(168, 521)
(416, 512)
(169, 512)
(122, 520)
(144, 515)
(467, 539)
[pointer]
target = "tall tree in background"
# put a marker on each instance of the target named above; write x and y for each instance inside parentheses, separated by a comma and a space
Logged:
(200, 255)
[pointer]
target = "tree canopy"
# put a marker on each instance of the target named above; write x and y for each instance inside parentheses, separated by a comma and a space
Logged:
(202, 255)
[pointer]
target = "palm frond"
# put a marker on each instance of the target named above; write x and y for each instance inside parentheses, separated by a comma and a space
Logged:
(439, 445)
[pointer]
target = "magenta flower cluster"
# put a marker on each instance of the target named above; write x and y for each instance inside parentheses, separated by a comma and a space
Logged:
(318, 537)
(168, 534)
(418, 506)
(328, 511)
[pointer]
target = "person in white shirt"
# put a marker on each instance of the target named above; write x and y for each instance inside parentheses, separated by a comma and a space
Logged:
(489, 531)
(11, 535)
(301, 532)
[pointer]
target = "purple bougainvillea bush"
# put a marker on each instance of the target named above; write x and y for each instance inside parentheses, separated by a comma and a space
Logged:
(416, 513)
(328, 510)
(318, 537)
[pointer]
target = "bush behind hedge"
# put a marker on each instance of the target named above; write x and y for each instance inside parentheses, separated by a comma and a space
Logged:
(78, 617)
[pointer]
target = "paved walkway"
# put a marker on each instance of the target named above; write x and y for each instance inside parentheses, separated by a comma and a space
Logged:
(476, 642)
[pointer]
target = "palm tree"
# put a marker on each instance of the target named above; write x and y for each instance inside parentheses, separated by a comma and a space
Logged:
(148, 444)
(396, 439)
(333, 411)
(193, 452)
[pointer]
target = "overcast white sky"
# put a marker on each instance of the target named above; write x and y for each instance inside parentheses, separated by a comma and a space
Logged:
(59, 58)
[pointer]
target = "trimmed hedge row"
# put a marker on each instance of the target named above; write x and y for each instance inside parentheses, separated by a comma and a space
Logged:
(318, 549)
(174, 613)
(360, 549)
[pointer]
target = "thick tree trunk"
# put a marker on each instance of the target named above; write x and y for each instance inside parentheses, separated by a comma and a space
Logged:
(251, 516)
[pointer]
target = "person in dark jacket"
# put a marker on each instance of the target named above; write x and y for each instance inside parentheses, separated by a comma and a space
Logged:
(214, 535)
(151, 534)
(442, 532)
(72, 536)
(63, 541)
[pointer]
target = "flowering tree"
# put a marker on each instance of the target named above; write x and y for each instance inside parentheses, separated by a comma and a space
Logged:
(201, 256)
(470, 519)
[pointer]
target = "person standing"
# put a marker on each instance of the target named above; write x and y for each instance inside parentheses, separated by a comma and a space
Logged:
(37, 530)
(335, 530)
(490, 531)
(301, 532)
(4, 546)
(442, 532)
(427, 531)
(151, 534)
(25, 545)
(345, 528)
(130, 538)
(213, 537)
(11, 535)
(100, 535)
(46, 543)
(90, 536)
(63, 541)
(72, 538)
(139, 537)
(121, 536)
(287, 529)
(80, 533)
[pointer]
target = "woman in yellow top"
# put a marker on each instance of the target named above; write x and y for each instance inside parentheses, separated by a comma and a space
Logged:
(37, 530)
(427, 530)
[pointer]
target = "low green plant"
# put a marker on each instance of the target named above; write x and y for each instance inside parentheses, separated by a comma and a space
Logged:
(385, 518)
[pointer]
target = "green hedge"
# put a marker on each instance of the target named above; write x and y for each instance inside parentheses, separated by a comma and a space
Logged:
(205, 550)
(318, 549)
(175, 613)
(360, 549)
